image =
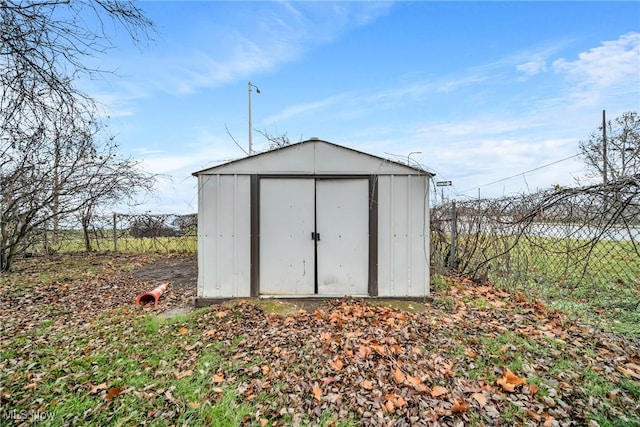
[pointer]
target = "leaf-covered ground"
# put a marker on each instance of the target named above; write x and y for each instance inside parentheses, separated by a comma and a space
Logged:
(75, 350)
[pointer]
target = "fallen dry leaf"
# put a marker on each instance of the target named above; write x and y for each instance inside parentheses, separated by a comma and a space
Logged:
(398, 376)
(480, 398)
(414, 380)
(97, 388)
(317, 393)
(379, 349)
(438, 391)
(183, 374)
(367, 385)
(346, 357)
(469, 352)
(336, 364)
(448, 372)
(113, 393)
(459, 407)
(390, 407)
(509, 381)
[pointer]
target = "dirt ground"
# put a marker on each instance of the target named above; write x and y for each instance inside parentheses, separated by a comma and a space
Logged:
(181, 272)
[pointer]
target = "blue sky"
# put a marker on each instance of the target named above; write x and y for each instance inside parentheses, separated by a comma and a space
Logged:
(484, 90)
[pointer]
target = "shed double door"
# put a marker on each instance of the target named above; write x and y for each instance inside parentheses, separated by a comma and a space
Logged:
(314, 236)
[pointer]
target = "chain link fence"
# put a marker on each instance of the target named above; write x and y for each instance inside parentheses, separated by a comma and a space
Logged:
(147, 232)
(567, 236)
(120, 232)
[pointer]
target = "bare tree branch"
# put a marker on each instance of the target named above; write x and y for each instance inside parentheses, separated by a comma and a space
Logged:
(234, 140)
(54, 159)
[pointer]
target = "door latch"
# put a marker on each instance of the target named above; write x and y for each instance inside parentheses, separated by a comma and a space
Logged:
(315, 236)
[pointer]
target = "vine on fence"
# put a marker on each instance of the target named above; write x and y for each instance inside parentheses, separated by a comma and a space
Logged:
(567, 234)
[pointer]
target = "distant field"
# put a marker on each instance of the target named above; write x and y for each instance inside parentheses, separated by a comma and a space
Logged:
(73, 242)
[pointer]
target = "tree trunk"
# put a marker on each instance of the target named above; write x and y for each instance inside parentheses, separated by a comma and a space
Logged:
(86, 219)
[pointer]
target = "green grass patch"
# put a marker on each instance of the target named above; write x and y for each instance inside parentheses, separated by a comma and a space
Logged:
(149, 360)
(404, 305)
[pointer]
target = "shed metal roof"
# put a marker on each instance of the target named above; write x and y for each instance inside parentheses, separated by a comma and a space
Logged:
(313, 157)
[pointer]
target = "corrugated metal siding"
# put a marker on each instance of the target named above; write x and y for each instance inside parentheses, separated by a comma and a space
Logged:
(224, 236)
(403, 247)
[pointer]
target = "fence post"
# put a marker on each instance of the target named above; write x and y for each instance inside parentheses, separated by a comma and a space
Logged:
(45, 241)
(115, 232)
(454, 229)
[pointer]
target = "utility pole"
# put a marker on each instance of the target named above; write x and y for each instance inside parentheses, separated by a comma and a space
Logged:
(605, 179)
(250, 126)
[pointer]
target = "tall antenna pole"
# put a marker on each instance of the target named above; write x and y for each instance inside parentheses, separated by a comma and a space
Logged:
(250, 126)
(605, 179)
(250, 129)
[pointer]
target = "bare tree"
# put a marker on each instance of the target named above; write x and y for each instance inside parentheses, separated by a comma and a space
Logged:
(109, 180)
(57, 174)
(276, 141)
(49, 154)
(622, 152)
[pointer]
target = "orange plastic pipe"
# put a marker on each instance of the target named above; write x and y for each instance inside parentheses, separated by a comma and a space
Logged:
(154, 295)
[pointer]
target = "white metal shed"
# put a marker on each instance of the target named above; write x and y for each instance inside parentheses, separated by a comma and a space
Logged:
(312, 219)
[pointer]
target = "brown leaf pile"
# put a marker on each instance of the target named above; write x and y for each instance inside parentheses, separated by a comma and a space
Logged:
(384, 366)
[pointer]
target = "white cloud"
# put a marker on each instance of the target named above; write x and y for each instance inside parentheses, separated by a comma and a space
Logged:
(536, 66)
(299, 109)
(261, 37)
(509, 165)
(479, 126)
(611, 67)
(270, 37)
(354, 104)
